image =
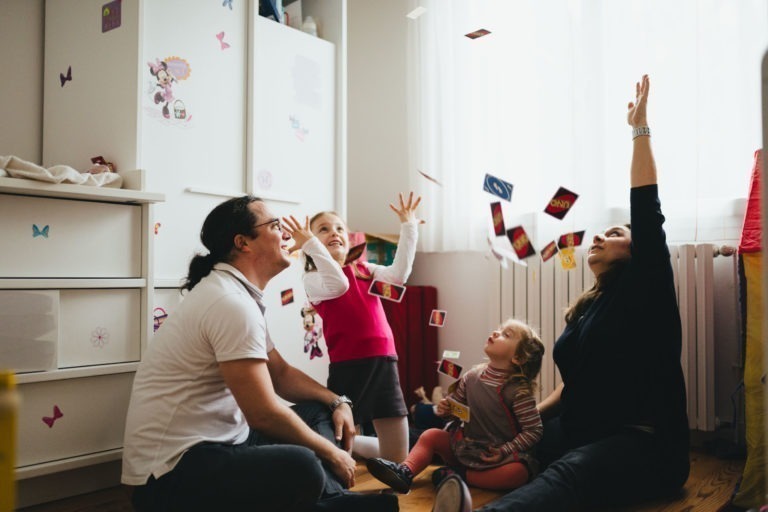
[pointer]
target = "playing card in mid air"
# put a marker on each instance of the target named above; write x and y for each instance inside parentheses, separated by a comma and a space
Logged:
(571, 239)
(459, 410)
(451, 354)
(388, 291)
(430, 178)
(437, 318)
(498, 187)
(449, 368)
(478, 33)
(568, 258)
(498, 219)
(520, 242)
(561, 203)
(286, 296)
(548, 251)
(354, 253)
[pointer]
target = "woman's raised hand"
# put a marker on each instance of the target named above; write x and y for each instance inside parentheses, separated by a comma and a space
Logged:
(299, 233)
(636, 115)
(407, 211)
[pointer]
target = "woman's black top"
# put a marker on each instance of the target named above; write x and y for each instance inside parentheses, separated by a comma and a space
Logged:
(620, 361)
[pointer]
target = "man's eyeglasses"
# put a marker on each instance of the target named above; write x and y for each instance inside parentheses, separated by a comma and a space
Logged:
(271, 221)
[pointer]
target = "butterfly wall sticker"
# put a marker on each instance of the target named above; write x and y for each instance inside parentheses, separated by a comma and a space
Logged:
(66, 78)
(36, 231)
(220, 37)
(227, 3)
(50, 420)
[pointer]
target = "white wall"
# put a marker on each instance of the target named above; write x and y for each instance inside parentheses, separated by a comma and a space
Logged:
(377, 154)
(21, 90)
(469, 290)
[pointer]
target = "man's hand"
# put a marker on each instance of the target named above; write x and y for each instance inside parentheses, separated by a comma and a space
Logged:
(343, 466)
(344, 426)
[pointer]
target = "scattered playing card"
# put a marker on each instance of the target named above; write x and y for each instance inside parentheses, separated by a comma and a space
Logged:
(387, 291)
(498, 187)
(286, 296)
(561, 203)
(498, 219)
(111, 15)
(568, 258)
(571, 239)
(459, 410)
(549, 251)
(416, 12)
(449, 368)
(451, 354)
(437, 318)
(478, 33)
(430, 178)
(355, 253)
(520, 242)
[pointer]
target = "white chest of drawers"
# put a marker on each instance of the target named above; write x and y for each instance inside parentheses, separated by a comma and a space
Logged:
(76, 301)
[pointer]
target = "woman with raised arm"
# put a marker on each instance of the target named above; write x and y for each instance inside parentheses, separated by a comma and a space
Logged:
(616, 429)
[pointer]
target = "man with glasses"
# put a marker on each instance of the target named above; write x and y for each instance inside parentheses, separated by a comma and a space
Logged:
(205, 428)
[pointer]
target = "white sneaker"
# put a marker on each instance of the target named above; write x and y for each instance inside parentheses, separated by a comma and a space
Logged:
(452, 496)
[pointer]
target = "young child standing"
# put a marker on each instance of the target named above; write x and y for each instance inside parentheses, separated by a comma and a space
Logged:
(360, 343)
(491, 450)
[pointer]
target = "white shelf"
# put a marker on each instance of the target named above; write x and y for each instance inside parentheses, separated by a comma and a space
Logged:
(81, 283)
(26, 187)
(76, 373)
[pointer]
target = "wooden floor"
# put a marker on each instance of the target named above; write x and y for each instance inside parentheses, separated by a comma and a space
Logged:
(709, 489)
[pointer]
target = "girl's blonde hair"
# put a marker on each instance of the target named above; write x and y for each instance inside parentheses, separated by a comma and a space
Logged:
(530, 351)
(309, 265)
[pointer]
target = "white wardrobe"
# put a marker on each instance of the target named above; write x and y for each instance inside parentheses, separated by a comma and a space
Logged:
(199, 101)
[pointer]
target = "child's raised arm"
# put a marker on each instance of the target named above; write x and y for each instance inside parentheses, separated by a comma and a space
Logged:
(328, 282)
(401, 267)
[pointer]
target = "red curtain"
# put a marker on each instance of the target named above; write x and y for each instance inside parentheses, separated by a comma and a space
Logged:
(415, 339)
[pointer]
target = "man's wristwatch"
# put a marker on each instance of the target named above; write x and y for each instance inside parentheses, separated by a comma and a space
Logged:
(341, 399)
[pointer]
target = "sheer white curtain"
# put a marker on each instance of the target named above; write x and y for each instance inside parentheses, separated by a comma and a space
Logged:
(541, 103)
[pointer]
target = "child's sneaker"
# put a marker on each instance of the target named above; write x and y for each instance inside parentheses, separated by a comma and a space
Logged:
(398, 476)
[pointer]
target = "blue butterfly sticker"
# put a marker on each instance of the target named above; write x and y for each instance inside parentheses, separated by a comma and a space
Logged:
(36, 231)
(227, 3)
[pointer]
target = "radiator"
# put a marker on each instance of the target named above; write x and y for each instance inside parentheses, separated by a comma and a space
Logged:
(540, 292)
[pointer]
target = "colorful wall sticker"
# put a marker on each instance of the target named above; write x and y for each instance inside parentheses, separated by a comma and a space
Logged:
(66, 78)
(50, 420)
(36, 231)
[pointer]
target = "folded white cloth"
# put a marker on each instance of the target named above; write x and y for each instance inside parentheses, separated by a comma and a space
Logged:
(15, 167)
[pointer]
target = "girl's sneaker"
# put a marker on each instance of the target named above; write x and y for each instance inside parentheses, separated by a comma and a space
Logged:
(398, 476)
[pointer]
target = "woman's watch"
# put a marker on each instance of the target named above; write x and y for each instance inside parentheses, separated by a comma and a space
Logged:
(341, 399)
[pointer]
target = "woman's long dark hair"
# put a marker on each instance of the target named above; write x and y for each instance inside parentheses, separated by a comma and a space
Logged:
(230, 218)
